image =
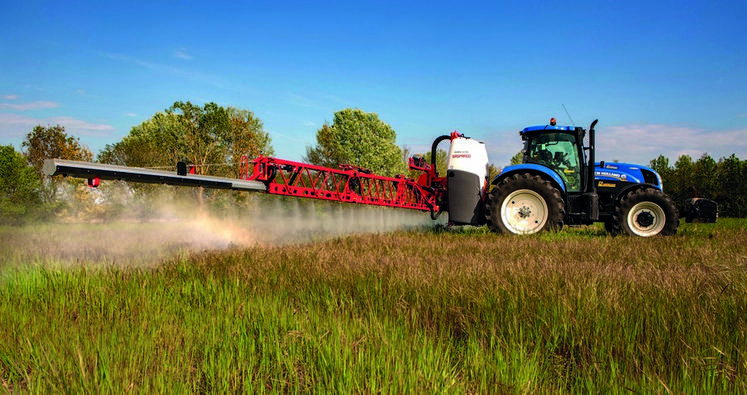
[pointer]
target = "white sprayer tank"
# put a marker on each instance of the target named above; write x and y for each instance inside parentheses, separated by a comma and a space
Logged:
(466, 177)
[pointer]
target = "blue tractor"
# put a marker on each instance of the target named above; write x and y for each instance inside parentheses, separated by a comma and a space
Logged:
(560, 183)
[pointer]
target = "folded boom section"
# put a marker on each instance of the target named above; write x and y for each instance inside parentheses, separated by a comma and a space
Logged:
(348, 184)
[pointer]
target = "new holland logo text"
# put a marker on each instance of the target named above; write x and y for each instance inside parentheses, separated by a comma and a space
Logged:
(621, 177)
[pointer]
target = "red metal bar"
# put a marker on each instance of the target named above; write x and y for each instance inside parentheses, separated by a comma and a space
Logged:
(348, 184)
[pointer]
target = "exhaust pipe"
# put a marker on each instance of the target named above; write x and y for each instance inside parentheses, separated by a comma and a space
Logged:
(592, 186)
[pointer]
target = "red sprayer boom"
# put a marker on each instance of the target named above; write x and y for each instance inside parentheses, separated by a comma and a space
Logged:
(350, 184)
(460, 191)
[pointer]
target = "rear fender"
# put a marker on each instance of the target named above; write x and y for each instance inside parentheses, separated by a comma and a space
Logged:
(532, 169)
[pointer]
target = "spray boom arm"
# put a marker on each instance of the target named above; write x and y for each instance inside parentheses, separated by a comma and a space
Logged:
(349, 183)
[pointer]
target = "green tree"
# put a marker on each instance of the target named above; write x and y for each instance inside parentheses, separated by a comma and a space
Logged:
(704, 173)
(660, 164)
(684, 176)
(724, 181)
(493, 171)
(19, 186)
(357, 138)
(52, 142)
(517, 159)
(732, 186)
(406, 154)
(441, 160)
(666, 172)
(204, 134)
(247, 137)
(212, 138)
(156, 142)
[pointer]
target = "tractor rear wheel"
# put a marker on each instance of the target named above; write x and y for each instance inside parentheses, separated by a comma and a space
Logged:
(525, 204)
(646, 212)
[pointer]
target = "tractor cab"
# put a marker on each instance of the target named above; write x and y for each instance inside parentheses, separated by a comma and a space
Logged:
(560, 151)
(560, 148)
(557, 153)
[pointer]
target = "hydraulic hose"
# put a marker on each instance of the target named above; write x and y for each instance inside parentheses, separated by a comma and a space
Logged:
(434, 147)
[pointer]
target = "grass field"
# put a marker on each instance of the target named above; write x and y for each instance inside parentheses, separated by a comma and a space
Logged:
(418, 311)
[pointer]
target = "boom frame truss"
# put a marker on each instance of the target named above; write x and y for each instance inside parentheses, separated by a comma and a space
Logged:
(350, 184)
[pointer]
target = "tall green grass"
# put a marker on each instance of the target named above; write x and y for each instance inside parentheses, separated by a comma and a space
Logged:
(440, 311)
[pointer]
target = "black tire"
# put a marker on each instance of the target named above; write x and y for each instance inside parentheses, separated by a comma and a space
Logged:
(646, 213)
(525, 204)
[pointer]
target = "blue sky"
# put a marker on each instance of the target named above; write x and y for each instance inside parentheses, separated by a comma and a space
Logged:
(663, 77)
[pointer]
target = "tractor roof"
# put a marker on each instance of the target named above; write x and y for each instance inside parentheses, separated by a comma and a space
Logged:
(548, 128)
(542, 129)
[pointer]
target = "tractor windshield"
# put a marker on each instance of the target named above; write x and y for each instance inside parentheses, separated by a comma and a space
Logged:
(559, 152)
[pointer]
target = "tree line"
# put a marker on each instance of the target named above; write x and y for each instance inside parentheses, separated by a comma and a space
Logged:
(724, 181)
(213, 138)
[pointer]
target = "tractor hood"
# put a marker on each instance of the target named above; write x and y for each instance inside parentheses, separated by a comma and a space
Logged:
(628, 172)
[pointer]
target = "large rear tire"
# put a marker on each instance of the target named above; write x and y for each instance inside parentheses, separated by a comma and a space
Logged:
(525, 204)
(646, 213)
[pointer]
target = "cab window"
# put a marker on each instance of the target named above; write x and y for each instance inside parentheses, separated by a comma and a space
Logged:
(558, 152)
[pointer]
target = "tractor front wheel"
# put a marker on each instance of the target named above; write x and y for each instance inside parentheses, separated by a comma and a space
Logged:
(647, 212)
(525, 204)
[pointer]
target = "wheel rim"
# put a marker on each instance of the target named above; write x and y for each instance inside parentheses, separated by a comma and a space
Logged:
(524, 212)
(646, 219)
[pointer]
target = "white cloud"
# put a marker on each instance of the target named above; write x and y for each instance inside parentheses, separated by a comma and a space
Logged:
(640, 143)
(15, 119)
(335, 99)
(182, 54)
(168, 69)
(13, 127)
(9, 97)
(302, 101)
(35, 105)
(79, 124)
(142, 63)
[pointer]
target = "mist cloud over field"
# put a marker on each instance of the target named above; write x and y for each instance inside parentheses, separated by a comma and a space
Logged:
(162, 227)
